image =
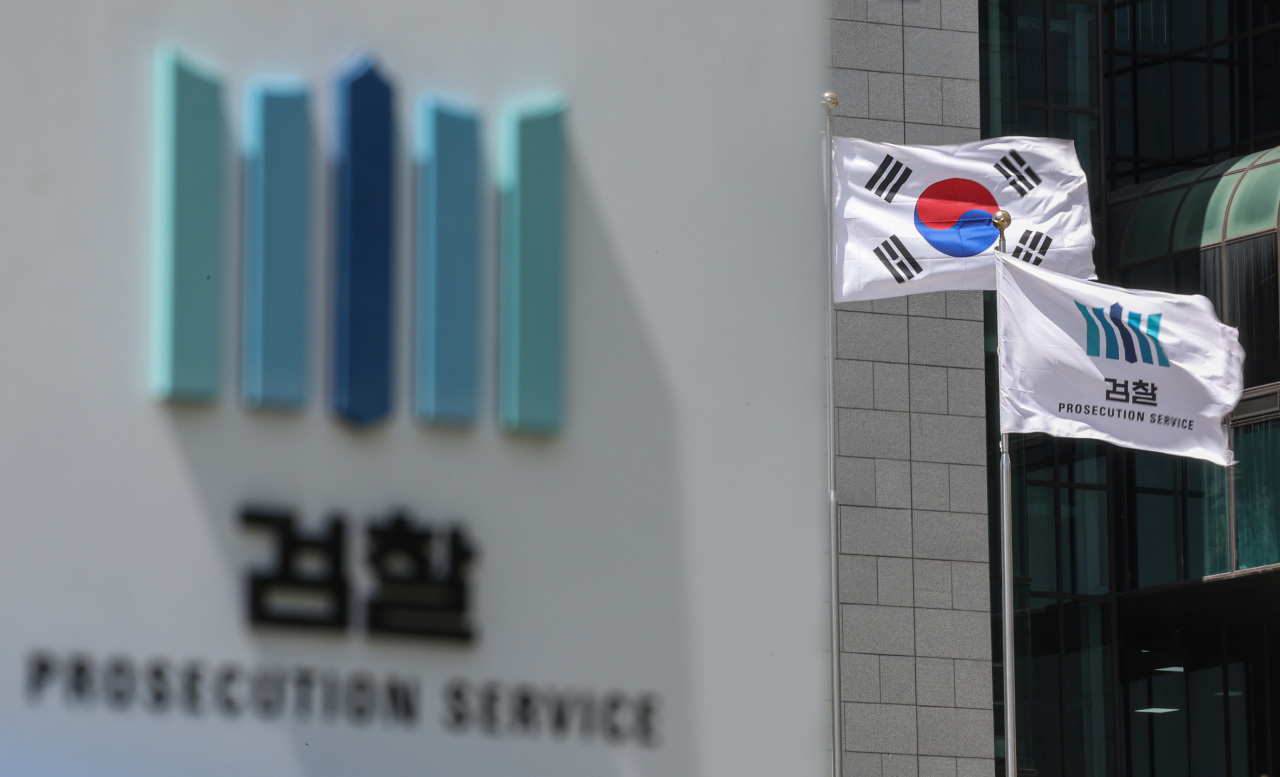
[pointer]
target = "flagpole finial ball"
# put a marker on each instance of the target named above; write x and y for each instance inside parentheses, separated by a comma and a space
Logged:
(1001, 220)
(830, 100)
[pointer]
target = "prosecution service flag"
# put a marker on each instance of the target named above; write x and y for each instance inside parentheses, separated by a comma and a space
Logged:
(911, 219)
(1143, 369)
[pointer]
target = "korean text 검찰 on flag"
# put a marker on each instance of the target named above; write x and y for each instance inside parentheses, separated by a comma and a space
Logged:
(912, 219)
(1142, 369)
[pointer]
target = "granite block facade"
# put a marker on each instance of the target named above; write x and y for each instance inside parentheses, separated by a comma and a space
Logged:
(915, 621)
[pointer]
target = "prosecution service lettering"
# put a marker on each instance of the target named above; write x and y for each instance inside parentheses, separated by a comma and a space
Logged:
(307, 694)
(1159, 419)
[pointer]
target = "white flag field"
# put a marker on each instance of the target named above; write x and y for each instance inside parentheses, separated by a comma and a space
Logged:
(1142, 369)
(913, 219)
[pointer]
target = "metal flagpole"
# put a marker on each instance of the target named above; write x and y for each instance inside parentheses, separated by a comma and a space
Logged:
(1001, 220)
(1006, 577)
(830, 101)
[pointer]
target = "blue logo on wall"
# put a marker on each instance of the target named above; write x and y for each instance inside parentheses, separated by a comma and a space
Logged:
(278, 274)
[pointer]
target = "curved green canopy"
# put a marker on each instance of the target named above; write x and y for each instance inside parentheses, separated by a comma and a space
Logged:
(1199, 208)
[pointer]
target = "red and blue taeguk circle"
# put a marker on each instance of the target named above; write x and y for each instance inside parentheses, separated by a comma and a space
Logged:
(954, 216)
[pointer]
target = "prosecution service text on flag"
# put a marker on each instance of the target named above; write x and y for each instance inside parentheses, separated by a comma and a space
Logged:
(911, 219)
(1143, 369)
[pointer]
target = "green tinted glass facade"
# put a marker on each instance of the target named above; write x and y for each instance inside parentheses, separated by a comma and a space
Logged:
(1147, 587)
(1189, 82)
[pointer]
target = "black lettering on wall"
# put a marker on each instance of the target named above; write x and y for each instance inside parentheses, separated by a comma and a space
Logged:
(490, 698)
(80, 679)
(421, 575)
(646, 712)
(192, 676)
(268, 693)
(587, 714)
(224, 691)
(158, 691)
(402, 701)
(524, 710)
(559, 712)
(308, 585)
(331, 694)
(497, 709)
(41, 668)
(611, 725)
(457, 713)
(303, 686)
(361, 699)
(119, 683)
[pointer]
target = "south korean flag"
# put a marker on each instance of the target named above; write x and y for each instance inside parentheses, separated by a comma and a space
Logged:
(912, 219)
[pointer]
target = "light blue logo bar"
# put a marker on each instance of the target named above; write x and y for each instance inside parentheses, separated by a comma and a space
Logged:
(189, 175)
(447, 304)
(277, 245)
(1122, 332)
(531, 181)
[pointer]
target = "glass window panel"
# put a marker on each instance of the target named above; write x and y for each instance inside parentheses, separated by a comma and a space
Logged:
(1083, 129)
(1200, 221)
(1037, 457)
(1122, 114)
(1032, 122)
(1151, 26)
(1031, 51)
(1147, 234)
(1207, 714)
(1188, 273)
(1189, 28)
(1153, 470)
(1121, 20)
(1085, 530)
(1191, 130)
(1000, 75)
(1139, 728)
(1219, 20)
(1257, 198)
(1264, 14)
(1205, 539)
(1211, 278)
(1042, 551)
(1237, 702)
(1083, 461)
(1169, 729)
(1039, 695)
(1073, 52)
(1253, 306)
(1222, 94)
(1086, 664)
(1154, 276)
(1240, 87)
(1257, 450)
(1155, 548)
(1153, 102)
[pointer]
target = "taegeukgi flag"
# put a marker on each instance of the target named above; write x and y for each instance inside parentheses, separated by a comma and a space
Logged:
(912, 219)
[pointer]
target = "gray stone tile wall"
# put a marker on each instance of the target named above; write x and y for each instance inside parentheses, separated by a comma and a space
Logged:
(915, 623)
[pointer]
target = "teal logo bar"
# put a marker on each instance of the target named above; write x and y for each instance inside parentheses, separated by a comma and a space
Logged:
(1110, 330)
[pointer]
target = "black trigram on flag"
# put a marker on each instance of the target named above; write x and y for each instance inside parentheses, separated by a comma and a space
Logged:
(888, 179)
(1018, 173)
(898, 260)
(1032, 247)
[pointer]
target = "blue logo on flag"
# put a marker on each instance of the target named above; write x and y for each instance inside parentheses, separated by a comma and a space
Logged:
(1123, 330)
